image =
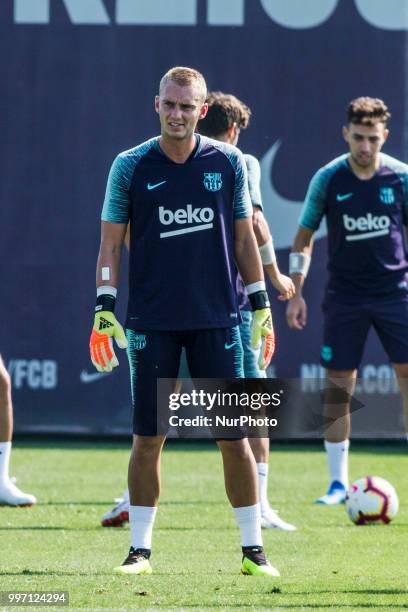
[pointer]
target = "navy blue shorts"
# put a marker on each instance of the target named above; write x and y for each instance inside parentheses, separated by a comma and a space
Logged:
(210, 353)
(346, 326)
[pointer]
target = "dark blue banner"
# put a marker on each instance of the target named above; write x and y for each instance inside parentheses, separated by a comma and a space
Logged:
(79, 79)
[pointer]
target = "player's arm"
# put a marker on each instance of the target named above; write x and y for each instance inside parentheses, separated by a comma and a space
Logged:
(115, 218)
(282, 283)
(299, 259)
(299, 262)
(106, 326)
(110, 250)
(249, 265)
(247, 255)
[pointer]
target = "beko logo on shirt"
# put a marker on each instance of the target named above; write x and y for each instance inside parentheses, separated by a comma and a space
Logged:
(368, 226)
(201, 218)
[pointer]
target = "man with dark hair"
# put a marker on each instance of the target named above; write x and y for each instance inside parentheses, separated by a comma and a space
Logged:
(10, 495)
(364, 196)
(184, 196)
(367, 111)
(226, 116)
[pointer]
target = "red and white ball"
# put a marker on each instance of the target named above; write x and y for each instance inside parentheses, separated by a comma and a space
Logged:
(371, 500)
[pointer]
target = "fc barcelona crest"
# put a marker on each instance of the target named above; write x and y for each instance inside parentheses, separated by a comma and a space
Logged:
(212, 181)
(387, 195)
(139, 341)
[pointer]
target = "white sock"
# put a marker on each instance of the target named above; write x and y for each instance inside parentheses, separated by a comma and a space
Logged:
(337, 459)
(249, 522)
(126, 495)
(5, 450)
(262, 469)
(141, 519)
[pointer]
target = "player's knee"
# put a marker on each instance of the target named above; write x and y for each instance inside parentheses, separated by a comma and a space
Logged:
(334, 412)
(236, 450)
(147, 446)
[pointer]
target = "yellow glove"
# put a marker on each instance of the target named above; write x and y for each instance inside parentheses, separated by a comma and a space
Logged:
(104, 329)
(263, 336)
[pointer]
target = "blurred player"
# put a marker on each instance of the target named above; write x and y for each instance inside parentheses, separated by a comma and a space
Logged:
(189, 209)
(364, 196)
(225, 118)
(10, 495)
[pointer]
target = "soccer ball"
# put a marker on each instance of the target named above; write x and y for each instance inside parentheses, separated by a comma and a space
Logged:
(371, 500)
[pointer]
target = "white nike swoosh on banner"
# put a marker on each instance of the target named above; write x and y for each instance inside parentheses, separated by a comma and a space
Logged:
(86, 377)
(282, 214)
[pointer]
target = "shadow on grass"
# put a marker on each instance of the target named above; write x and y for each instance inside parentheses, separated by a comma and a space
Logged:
(349, 591)
(106, 572)
(40, 528)
(26, 572)
(109, 503)
(76, 503)
(303, 606)
(312, 606)
(379, 591)
(396, 524)
(118, 529)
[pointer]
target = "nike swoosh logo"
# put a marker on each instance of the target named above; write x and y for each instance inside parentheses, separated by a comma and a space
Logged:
(228, 346)
(86, 377)
(287, 211)
(341, 198)
(150, 187)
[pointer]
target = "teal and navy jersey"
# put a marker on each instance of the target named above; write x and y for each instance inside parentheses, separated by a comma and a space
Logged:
(254, 186)
(365, 224)
(182, 273)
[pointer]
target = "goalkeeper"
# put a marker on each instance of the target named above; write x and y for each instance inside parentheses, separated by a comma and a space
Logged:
(225, 118)
(182, 293)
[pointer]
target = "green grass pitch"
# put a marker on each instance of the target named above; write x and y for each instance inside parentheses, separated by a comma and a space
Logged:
(327, 564)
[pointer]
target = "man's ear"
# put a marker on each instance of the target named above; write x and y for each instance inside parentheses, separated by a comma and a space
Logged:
(203, 111)
(345, 132)
(231, 131)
